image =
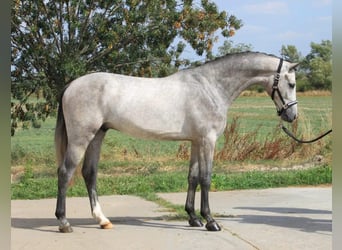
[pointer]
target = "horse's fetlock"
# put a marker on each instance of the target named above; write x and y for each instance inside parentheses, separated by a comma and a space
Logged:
(189, 208)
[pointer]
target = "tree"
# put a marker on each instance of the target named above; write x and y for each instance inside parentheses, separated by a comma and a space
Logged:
(314, 70)
(290, 53)
(228, 47)
(54, 42)
(319, 62)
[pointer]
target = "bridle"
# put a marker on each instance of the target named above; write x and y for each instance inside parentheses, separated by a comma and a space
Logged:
(276, 90)
(288, 105)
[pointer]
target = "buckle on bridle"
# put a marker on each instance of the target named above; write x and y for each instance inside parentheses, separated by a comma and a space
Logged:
(276, 79)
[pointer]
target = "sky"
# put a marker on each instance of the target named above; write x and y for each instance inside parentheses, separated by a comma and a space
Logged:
(267, 25)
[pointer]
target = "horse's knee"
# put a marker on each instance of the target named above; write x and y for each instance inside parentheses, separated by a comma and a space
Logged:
(193, 180)
(205, 182)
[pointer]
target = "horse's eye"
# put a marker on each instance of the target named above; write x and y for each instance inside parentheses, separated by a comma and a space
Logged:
(292, 85)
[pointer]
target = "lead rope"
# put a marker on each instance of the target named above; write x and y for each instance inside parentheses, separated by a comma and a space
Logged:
(288, 132)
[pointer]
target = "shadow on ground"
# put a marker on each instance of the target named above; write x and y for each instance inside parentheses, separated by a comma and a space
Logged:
(295, 219)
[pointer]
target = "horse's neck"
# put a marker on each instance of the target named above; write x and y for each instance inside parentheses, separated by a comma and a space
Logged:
(233, 77)
(234, 87)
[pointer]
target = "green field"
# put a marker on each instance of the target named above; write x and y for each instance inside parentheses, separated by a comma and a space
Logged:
(123, 156)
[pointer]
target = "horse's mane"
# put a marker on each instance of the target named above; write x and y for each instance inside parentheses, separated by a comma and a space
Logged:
(241, 54)
(232, 55)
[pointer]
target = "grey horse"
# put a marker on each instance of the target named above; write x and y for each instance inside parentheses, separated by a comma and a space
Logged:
(189, 105)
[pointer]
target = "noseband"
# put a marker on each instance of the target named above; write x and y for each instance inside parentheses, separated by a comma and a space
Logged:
(276, 90)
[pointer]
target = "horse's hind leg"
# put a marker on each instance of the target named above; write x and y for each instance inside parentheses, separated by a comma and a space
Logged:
(66, 170)
(89, 172)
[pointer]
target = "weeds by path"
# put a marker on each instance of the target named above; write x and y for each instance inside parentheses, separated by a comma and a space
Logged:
(239, 146)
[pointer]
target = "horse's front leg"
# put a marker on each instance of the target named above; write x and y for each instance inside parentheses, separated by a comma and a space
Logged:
(205, 162)
(193, 179)
(89, 172)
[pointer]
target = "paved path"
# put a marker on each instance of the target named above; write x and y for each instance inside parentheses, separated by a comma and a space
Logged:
(282, 218)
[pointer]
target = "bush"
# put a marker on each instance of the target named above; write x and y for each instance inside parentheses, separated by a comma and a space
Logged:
(276, 146)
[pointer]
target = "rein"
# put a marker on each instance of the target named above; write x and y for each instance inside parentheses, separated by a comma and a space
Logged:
(288, 132)
(288, 105)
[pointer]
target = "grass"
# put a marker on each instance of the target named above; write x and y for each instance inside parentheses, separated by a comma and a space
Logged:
(142, 167)
(147, 185)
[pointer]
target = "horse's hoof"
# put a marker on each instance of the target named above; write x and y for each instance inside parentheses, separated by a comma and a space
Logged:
(65, 229)
(109, 225)
(213, 226)
(195, 222)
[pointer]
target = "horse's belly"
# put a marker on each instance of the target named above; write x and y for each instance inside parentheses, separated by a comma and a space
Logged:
(150, 123)
(149, 130)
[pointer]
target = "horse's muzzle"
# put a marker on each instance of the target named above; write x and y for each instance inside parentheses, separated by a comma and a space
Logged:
(289, 115)
(288, 112)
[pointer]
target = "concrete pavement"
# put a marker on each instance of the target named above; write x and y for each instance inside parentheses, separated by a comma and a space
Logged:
(282, 218)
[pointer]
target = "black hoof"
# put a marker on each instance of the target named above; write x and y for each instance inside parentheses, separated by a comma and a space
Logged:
(65, 229)
(213, 226)
(195, 222)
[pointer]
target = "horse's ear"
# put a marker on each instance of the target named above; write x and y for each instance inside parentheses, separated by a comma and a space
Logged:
(293, 66)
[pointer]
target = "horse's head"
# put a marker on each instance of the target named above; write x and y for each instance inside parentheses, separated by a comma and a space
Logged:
(283, 91)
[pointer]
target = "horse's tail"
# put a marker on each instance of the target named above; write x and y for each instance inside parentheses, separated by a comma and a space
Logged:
(61, 139)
